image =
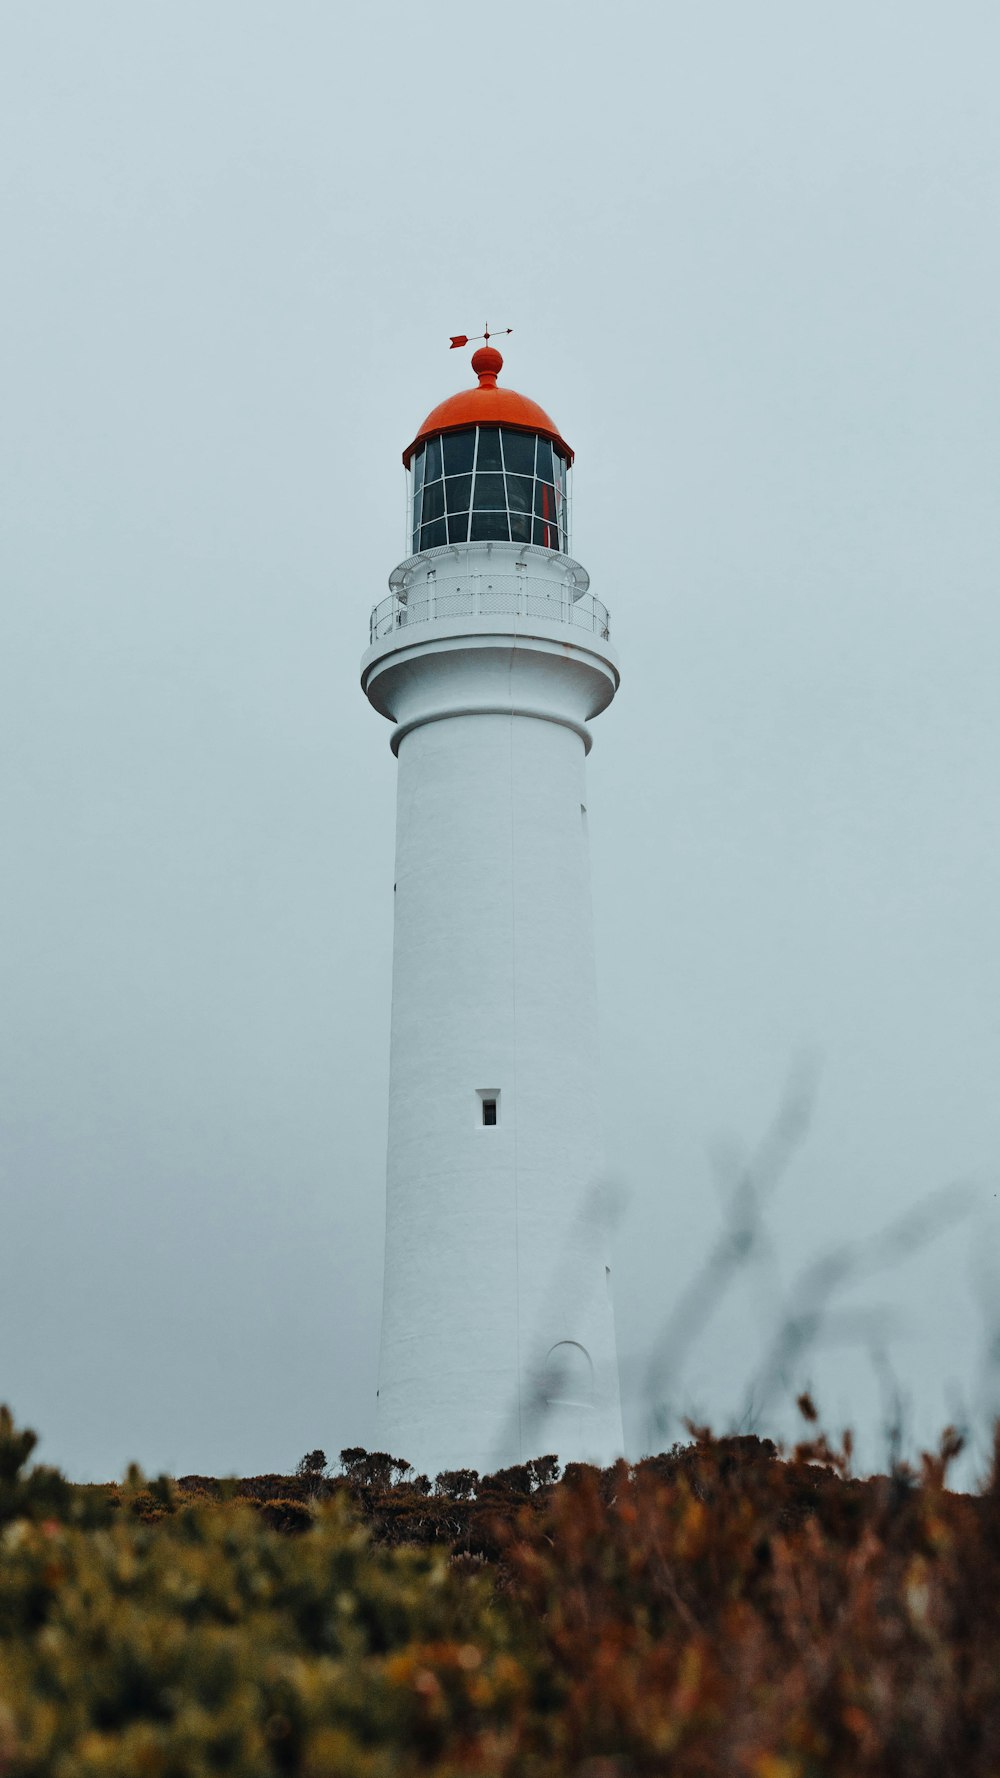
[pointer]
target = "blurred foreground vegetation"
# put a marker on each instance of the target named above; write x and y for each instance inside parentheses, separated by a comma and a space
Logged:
(719, 1609)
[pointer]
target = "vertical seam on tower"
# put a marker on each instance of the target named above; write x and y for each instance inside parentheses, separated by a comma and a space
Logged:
(513, 1009)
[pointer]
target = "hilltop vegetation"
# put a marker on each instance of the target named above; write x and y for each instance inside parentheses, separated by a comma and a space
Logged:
(716, 1610)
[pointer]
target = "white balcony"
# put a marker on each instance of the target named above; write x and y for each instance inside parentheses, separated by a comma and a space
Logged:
(500, 595)
(488, 581)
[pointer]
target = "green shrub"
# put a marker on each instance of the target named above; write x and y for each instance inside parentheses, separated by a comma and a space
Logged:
(202, 1640)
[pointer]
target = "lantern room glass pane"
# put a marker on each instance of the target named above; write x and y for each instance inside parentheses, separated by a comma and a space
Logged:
(518, 452)
(459, 448)
(490, 527)
(458, 527)
(433, 501)
(520, 527)
(489, 448)
(416, 513)
(458, 492)
(519, 493)
(545, 500)
(432, 467)
(418, 470)
(543, 460)
(433, 536)
(489, 492)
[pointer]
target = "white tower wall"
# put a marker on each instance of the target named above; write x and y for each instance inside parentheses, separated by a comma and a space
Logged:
(497, 1334)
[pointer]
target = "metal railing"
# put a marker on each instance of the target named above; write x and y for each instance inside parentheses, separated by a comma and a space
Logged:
(482, 595)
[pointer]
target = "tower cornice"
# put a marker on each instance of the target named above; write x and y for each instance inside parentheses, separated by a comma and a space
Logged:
(456, 670)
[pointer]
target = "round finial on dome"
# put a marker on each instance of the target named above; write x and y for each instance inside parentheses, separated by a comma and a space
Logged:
(487, 364)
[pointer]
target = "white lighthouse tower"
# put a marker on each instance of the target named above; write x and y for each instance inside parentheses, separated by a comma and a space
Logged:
(490, 657)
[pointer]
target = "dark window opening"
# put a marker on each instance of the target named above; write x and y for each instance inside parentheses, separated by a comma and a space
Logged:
(489, 492)
(519, 493)
(489, 1111)
(489, 448)
(488, 526)
(519, 452)
(459, 449)
(433, 501)
(458, 489)
(545, 500)
(543, 460)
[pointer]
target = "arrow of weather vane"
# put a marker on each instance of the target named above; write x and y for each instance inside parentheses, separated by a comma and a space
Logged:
(462, 339)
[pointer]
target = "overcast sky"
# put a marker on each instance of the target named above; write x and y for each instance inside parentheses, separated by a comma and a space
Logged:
(750, 255)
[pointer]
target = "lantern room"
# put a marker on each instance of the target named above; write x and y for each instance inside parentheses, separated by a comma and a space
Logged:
(488, 466)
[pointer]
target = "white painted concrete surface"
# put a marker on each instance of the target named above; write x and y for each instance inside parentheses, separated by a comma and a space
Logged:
(497, 1331)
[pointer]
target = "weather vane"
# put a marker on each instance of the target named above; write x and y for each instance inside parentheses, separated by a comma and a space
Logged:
(462, 339)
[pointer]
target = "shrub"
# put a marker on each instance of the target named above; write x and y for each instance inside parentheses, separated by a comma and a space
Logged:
(717, 1611)
(206, 1641)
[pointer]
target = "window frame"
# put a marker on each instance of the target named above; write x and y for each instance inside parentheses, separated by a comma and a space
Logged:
(498, 524)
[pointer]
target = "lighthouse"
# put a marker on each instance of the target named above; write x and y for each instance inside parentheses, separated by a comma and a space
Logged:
(491, 657)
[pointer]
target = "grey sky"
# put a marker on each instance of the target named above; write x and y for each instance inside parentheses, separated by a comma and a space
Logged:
(751, 257)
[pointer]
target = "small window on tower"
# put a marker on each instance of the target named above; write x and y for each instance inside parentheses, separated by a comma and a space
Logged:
(488, 1101)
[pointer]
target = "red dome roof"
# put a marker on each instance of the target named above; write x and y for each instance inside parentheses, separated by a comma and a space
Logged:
(487, 406)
